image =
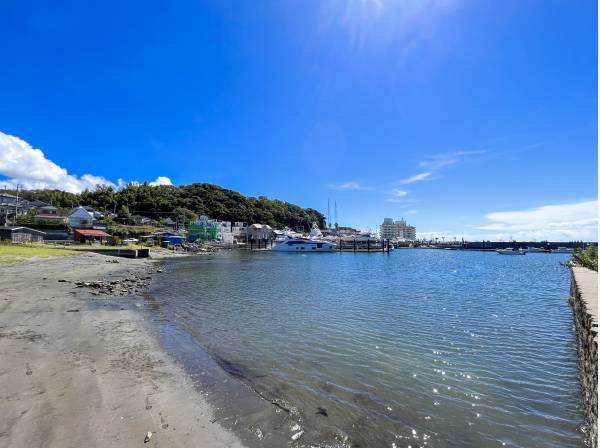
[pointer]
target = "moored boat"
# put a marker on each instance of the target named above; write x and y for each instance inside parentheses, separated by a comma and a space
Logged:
(538, 249)
(562, 250)
(304, 245)
(510, 251)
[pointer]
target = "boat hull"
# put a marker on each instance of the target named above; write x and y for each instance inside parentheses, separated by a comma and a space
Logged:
(511, 252)
(301, 246)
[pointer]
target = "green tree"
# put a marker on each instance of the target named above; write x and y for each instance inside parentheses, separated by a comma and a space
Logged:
(189, 201)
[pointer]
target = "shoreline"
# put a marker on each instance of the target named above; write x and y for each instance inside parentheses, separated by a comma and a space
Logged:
(84, 368)
(96, 357)
(256, 417)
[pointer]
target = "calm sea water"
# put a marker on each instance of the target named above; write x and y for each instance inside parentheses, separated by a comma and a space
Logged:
(416, 348)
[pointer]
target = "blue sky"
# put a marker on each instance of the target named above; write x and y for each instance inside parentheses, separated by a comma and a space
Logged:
(468, 118)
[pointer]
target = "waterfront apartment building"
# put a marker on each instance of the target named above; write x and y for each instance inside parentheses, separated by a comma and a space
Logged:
(397, 230)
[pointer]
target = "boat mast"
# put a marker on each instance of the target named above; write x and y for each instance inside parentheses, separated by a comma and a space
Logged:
(336, 214)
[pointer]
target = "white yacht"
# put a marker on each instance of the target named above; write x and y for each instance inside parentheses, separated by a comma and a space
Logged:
(537, 249)
(315, 232)
(562, 250)
(285, 234)
(303, 245)
(510, 251)
(363, 237)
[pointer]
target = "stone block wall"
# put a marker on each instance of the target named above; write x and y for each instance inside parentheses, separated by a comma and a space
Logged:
(584, 293)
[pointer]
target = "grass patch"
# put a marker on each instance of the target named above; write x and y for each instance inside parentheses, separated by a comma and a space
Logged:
(588, 258)
(11, 253)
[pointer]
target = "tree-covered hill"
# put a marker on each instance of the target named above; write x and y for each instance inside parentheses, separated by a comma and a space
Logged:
(164, 201)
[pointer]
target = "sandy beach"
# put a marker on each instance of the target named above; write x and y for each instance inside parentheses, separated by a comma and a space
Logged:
(79, 370)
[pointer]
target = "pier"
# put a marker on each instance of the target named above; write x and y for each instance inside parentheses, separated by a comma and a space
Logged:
(353, 245)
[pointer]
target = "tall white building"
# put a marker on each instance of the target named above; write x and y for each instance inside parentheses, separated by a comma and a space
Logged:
(397, 230)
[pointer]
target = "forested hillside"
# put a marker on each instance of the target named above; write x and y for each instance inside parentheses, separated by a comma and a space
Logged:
(158, 202)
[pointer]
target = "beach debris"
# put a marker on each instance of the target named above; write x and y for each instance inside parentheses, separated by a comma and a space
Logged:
(159, 270)
(74, 310)
(297, 435)
(62, 280)
(164, 424)
(322, 411)
(127, 286)
(258, 432)
(295, 428)
(148, 437)
(28, 370)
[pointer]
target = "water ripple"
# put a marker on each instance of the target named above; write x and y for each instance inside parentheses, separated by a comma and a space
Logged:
(419, 347)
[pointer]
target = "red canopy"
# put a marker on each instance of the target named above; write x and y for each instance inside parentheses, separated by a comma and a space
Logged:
(91, 232)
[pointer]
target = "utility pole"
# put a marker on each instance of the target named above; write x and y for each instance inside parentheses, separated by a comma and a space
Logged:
(17, 202)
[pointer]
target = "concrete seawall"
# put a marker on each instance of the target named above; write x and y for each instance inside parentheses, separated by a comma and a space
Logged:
(584, 291)
(127, 253)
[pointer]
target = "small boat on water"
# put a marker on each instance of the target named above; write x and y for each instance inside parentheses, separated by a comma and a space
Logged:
(538, 249)
(510, 251)
(304, 245)
(562, 250)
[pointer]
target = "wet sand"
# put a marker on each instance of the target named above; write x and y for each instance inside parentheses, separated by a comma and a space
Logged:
(78, 369)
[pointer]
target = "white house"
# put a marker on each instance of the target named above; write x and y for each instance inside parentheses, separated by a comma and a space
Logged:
(80, 217)
(224, 232)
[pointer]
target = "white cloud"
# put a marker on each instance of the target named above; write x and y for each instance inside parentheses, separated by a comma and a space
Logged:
(161, 180)
(401, 200)
(24, 165)
(434, 164)
(412, 212)
(474, 152)
(21, 164)
(399, 197)
(561, 222)
(438, 161)
(416, 178)
(351, 185)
